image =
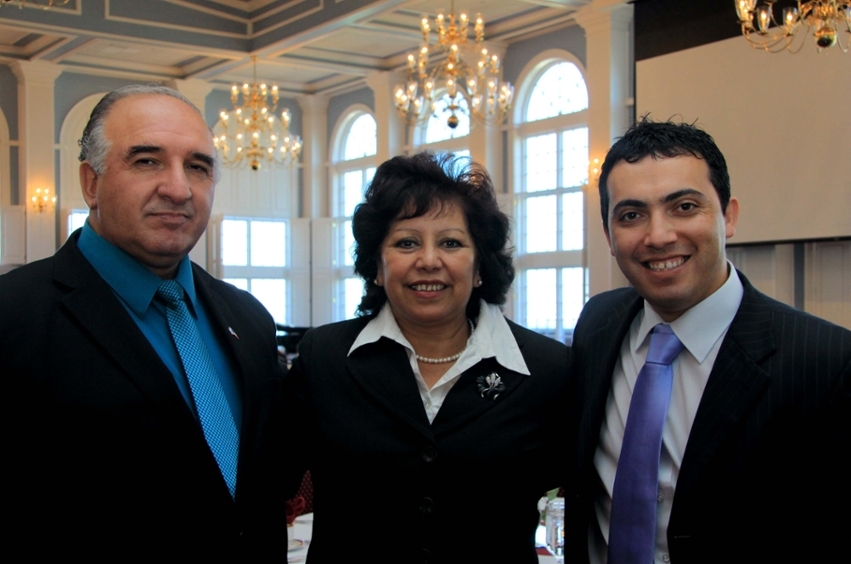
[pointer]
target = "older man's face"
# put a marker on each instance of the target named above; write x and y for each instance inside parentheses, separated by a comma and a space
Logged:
(154, 197)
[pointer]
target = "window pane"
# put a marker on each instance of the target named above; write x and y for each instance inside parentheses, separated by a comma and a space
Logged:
(241, 283)
(272, 293)
(235, 242)
(268, 243)
(540, 222)
(348, 243)
(354, 292)
(541, 298)
(573, 213)
(361, 139)
(541, 162)
(560, 90)
(572, 295)
(353, 189)
(575, 157)
(438, 130)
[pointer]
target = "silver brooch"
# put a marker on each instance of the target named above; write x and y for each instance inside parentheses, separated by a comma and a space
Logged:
(490, 386)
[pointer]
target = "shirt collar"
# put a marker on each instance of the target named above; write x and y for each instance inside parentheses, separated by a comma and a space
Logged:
(492, 338)
(701, 326)
(131, 280)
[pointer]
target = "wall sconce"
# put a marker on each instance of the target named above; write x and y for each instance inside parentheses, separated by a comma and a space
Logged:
(594, 169)
(42, 199)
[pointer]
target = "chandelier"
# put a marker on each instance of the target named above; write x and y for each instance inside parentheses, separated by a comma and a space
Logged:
(44, 4)
(826, 19)
(251, 134)
(464, 70)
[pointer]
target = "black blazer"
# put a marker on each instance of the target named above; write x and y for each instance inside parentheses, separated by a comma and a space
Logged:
(463, 489)
(766, 464)
(106, 457)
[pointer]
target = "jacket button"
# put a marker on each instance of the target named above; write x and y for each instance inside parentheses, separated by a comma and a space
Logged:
(426, 505)
(425, 556)
(429, 454)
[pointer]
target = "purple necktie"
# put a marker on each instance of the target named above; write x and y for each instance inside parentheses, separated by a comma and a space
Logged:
(632, 532)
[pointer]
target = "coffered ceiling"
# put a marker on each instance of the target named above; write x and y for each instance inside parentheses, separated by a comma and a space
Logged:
(303, 46)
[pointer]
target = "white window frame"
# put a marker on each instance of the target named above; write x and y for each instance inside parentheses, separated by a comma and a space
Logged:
(293, 315)
(340, 271)
(523, 130)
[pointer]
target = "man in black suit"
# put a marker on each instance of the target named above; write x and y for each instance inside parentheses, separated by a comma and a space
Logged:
(111, 453)
(751, 465)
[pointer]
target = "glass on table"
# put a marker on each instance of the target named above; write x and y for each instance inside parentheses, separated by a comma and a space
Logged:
(555, 528)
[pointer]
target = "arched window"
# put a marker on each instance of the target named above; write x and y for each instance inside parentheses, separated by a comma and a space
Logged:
(354, 165)
(550, 203)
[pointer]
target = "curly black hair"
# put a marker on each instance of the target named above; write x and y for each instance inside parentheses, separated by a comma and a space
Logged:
(411, 186)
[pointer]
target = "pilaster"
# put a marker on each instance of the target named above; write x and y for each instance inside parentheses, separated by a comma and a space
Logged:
(36, 121)
(314, 155)
(390, 125)
(606, 24)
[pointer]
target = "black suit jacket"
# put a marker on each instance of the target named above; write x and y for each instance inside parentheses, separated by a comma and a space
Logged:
(106, 457)
(765, 467)
(463, 489)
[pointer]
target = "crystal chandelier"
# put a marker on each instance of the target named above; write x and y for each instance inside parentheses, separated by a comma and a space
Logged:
(44, 4)
(464, 70)
(251, 134)
(826, 19)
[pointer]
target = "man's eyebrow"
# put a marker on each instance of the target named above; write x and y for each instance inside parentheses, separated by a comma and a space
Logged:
(204, 158)
(139, 149)
(629, 204)
(684, 192)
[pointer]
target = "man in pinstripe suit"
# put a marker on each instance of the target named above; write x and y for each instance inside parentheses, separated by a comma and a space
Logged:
(753, 462)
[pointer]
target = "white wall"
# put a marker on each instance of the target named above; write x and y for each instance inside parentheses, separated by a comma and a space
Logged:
(782, 121)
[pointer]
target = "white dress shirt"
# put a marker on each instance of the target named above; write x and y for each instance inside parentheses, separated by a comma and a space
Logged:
(701, 329)
(491, 339)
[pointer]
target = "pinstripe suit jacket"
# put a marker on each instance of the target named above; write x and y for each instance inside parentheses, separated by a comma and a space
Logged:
(766, 460)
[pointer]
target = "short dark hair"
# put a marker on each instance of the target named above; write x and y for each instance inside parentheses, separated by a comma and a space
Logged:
(411, 186)
(665, 140)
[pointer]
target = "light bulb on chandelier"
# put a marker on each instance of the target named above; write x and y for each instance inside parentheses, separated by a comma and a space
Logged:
(479, 82)
(251, 134)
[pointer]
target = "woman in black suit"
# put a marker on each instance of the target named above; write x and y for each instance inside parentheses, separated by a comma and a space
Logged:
(432, 424)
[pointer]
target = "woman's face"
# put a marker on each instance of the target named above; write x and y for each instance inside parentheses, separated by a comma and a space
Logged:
(428, 268)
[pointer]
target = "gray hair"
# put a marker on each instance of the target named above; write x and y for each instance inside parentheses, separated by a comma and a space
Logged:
(94, 145)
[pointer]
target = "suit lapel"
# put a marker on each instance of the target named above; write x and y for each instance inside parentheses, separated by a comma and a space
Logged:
(596, 366)
(222, 318)
(735, 384)
(92, 303)
(464, 403)
(383, 371)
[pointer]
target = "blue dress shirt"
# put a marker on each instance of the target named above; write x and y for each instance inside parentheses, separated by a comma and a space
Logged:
(135, 287)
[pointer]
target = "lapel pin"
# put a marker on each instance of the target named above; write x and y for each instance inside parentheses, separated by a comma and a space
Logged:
(490, 386)
(232, 332)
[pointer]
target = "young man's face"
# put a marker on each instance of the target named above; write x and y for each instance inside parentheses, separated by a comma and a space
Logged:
(667, 231)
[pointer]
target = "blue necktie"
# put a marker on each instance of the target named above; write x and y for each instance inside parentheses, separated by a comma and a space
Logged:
(210, 401)
(632, 533)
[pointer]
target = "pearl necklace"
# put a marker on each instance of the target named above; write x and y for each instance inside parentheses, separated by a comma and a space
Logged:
(452, 358)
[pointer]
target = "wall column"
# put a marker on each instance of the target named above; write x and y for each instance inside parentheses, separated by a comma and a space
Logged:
(37, 154)
(314, 192)
(606, 24)
(390, 126)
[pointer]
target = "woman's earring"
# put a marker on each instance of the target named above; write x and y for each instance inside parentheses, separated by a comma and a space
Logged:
(478, 282)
